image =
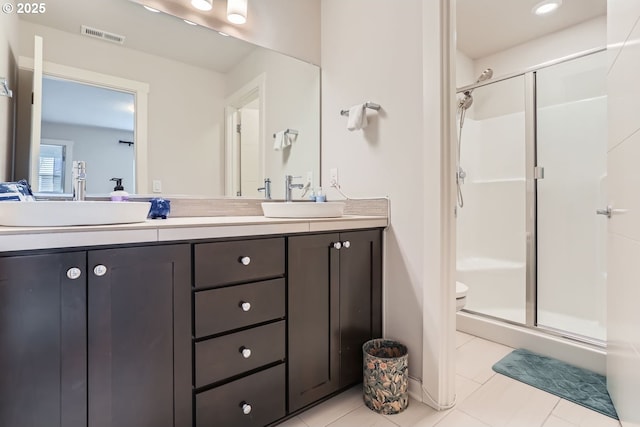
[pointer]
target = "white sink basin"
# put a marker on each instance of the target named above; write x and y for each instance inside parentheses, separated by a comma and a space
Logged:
(303, 209)
(53, 213)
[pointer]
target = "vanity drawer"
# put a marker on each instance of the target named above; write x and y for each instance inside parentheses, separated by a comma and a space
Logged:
(223, 263)
(222, 357)
(264, 392)
(220, 310)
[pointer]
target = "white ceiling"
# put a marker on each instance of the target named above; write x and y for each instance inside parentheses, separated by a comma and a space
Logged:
(76, 103)
(485, 27)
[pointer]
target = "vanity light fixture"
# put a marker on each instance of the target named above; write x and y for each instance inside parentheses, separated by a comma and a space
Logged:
(546, 7)
(205, 5)
(237, 11)
(150, 9)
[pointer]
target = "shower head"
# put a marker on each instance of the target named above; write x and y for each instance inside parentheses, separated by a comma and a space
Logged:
(466, 101)
(485, 75)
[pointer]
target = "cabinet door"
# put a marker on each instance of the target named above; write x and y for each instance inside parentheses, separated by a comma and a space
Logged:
(43, 341)
(360, 299)
(139, 337)
(313, 319)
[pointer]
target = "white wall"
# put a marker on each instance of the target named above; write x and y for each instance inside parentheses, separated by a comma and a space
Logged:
(8, 60)
(291, 27)
(373, 50)
(585, 36)
(623, 292)
(292, 100)
(185, 120)
(112, 160)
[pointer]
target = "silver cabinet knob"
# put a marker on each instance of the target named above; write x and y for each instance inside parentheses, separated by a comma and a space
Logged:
(246, 352)
(73, 273)
(245, 306)
(99, 270)
(346, 244)
(245, 260)
(337, 245)
(246, 408)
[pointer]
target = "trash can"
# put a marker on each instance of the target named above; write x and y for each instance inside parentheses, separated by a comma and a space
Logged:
(386, 377)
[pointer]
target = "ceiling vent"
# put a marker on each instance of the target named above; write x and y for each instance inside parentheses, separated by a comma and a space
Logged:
(101, 34)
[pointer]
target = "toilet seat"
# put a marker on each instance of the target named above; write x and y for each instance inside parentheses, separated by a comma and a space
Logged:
(461, 290)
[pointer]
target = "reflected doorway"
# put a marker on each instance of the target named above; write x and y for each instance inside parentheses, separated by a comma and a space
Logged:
(244, 138)
(99, 123)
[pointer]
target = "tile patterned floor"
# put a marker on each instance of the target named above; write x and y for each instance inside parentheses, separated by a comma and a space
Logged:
(484, 399)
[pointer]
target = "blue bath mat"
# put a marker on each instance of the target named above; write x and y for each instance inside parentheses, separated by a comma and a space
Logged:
(577, 385)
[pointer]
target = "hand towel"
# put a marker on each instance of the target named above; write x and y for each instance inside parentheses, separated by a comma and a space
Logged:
(287, 140)
(357, 117)
(279, 143)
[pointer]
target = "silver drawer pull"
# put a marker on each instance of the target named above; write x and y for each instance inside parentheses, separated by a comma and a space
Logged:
(246, 408)
(346, 244)
(99, 270)
(337, 245)
(73, 273)
(245, 306)
(245, 260)
(246, 352)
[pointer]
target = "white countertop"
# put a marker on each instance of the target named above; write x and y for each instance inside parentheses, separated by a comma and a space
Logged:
(173, 229)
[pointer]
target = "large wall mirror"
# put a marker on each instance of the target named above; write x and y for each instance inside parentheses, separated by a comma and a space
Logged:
(175, 109)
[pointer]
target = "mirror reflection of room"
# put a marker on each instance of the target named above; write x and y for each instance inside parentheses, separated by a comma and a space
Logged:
(90, 123)
(192, 74)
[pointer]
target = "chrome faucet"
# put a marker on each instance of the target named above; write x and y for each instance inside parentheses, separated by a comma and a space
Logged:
(288, 186)
(266, 189)
(79, 180)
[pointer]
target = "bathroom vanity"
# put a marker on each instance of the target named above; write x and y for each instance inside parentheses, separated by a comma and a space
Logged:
(230, 321)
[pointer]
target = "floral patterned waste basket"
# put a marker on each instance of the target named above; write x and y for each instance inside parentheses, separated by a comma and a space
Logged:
(386, 378)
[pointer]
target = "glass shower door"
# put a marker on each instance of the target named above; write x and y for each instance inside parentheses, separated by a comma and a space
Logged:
(492, 235)
(571, 147)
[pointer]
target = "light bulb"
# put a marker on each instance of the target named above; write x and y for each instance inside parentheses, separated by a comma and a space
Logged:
(202, 4)
(237, 11)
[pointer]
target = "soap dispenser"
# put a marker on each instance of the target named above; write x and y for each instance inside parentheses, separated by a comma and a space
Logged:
(118, 194)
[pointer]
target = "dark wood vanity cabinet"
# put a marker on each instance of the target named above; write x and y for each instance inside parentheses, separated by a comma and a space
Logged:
(97, 338)
(239, 332)
(334, 301)
(139, 335)
(235, 333)
(42, 341)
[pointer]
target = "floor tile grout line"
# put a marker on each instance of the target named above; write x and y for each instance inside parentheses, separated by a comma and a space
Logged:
(345, 414)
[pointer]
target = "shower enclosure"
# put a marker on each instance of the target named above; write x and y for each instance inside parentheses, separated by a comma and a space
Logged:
(532, 170)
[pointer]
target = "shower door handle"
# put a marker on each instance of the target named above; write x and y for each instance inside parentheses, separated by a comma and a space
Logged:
(608, 211)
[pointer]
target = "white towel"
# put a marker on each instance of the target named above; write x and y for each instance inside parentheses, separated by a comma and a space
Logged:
(279, 142)
(287, 140)
(357, 117)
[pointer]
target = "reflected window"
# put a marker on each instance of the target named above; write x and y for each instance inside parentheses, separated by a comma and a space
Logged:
(51, 172)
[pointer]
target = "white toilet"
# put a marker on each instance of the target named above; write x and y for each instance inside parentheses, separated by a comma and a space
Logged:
(461, 295)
